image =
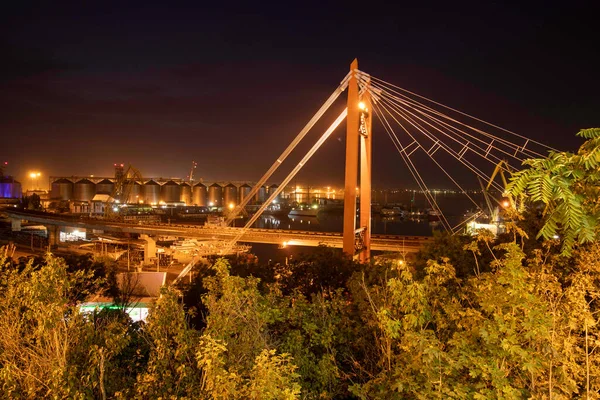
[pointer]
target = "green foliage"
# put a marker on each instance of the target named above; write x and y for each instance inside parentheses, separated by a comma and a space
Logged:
(172, 370)
(567, 184)
(452, 247)
(323, 270)
(473, 318)
(40, 331)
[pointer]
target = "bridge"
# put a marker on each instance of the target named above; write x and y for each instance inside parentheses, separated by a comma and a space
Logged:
(417, 127)
(281, 237)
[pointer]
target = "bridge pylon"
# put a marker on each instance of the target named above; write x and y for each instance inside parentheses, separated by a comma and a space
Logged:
(357, 241)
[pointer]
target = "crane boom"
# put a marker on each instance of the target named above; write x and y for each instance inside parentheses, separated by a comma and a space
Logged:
(500, 168)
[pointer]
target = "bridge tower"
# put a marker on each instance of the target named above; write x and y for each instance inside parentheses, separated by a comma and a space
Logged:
(357, 241)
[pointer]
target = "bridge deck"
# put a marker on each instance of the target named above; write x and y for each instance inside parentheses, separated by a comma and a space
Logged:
(397, 243)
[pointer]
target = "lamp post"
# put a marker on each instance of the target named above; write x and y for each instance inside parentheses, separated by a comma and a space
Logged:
(34, 177)
(231, 206)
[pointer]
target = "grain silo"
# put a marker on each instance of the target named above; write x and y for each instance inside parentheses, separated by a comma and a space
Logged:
(230, 195)
(261, 195)
(151, 192)
(186, 193)
(199, 195)
(105, 186)
(170, 192)
(244, 191)
(62, 189)
(135, 190)
(272, 189)
(84, 190)
(215, 195)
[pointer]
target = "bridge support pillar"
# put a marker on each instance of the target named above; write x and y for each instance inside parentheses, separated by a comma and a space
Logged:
(149, 248)
(357, 242)
(15, 224)
(351, 174)
(53, 232)
(364, 254)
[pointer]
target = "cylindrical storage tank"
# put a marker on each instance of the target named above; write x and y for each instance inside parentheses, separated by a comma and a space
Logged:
(273, 188)
(10, 188)
(135, 192)
(215, 195)
(84, 190)
(186, 193)
(230, 195)
(105, 186)
(199, 195)
(261, 195)
(151, 192)
(62, 189)
(244, 191)
(170, 192)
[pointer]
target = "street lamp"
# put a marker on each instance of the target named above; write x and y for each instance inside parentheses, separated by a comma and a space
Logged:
(34, 176)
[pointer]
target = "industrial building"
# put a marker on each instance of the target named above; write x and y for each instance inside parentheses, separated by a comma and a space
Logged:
(91, 194)
(157, 191)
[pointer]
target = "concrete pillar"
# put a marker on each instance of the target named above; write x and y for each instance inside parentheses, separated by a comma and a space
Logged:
(15, 224)
(53, 235)
(149, 248)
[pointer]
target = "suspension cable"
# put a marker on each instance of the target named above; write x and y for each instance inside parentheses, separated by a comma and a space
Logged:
(413, 170)
(465, 144)
(463, 113)
(430, 155)
(442, 145)
(516, 147)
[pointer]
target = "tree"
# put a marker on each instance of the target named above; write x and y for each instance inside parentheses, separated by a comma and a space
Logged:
(172, 370)
(568, 185)
(39, 329)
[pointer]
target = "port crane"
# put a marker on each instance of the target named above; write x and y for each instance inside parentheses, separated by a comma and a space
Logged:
(121, 194)
(194, 165)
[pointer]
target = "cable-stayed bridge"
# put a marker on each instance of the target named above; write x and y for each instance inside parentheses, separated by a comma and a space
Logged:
(417, 127)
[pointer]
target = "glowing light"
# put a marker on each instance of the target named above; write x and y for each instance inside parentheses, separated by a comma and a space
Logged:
(362, 106)
(555, 237)
(211, 204)
(505, 203)
(284, 244)
(231, 206)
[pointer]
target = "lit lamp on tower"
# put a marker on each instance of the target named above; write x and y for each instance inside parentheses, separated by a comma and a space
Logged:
(34, 179)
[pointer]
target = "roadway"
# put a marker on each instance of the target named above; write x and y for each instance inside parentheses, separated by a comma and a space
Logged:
(397, 243)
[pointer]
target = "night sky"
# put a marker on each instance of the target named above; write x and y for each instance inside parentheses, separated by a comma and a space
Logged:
(83, 87)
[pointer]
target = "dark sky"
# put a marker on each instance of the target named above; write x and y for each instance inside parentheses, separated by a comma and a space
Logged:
(229, 86)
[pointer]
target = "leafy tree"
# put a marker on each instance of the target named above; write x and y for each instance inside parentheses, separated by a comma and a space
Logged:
(446, 245)
(39, 329)
(325, 269)
(568, 186)
(172, 370)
